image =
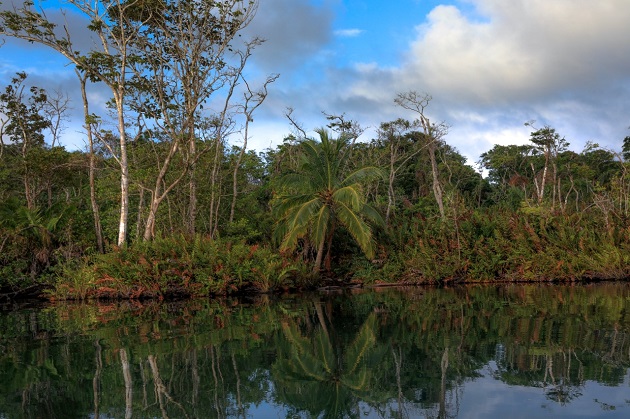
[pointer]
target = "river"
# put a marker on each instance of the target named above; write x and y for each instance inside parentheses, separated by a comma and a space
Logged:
(470, 352)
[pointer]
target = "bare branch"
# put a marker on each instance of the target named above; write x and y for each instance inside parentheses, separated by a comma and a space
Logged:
(294, 123)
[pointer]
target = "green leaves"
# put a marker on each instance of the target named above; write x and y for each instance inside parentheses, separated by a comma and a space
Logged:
(321, 193)
(25, 112)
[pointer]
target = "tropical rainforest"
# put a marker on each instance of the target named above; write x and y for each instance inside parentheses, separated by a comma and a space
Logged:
(166, 200)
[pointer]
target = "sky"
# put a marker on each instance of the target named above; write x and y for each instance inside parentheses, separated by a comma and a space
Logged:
(489, 66)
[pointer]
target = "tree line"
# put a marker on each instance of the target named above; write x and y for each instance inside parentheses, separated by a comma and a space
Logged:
(167, 175)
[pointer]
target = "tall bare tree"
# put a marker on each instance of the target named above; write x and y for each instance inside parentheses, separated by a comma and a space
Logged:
(400, 148)
(89, 129)
(252, 100)
(547, 141)
(418, 103)
(190, 57)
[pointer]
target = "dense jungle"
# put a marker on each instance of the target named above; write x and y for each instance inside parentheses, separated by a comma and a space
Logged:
(167, 201)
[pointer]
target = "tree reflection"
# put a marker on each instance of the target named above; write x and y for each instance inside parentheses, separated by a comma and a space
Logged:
(388, 354)
(325, 377)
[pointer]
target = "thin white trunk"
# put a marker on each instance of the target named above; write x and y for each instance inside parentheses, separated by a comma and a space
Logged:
(140, 211)
(160, 191)
(390, 184)
(258, 98)
(215, 187)
(542, 185)
(124, 175)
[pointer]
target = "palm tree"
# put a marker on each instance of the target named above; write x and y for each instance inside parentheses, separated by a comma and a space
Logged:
(321, 195)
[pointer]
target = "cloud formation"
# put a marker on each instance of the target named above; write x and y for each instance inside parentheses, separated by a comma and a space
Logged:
(490, 65)
(522, 49)
(561, 62)
(294, 32)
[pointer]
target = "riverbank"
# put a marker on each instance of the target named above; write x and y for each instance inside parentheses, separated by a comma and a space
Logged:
(175, 268)
(481, 247)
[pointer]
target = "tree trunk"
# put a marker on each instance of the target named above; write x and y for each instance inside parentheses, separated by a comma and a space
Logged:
(149, 227)
(444, 368)
(98, 230)
(417, 103)
(329, 239)
(318, 259)
(248, 112)
(124, 174)
(140, 211)
(96, 381)
(161, 191)
(214, 185)
(544, 178)
(390, 188)
(437, 188)
(192, 202)
(28, 192)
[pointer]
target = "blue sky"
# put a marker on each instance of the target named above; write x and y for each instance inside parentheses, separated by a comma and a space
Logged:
(490, 66)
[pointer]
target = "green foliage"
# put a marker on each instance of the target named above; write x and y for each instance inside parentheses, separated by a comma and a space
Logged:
(29, 244)
(176, 267)
(243, 229)
(24, 111)
(322, 194)
(501, 246)
(543, 213)
(626, 148)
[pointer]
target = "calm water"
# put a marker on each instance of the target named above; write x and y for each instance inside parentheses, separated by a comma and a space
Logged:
(514, 351)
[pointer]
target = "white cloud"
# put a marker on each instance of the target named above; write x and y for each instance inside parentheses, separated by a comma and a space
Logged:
(349, 33)
(522, 49)
(565, 63)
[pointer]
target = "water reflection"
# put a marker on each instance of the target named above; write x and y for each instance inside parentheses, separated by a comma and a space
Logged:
(521, 351)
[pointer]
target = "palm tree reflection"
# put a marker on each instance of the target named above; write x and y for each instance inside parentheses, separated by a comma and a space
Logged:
(321, 375)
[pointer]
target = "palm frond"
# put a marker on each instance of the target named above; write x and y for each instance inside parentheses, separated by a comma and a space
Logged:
(303, 363)
(296, 181)
(284, 205)
(350, 196)
(357, 381)
(296, 222)
(303, 214)
(302, 206)
(364, 174)
(363, 341)
(290, 239)
(372, 215)
(324, 352)
(358, 229)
